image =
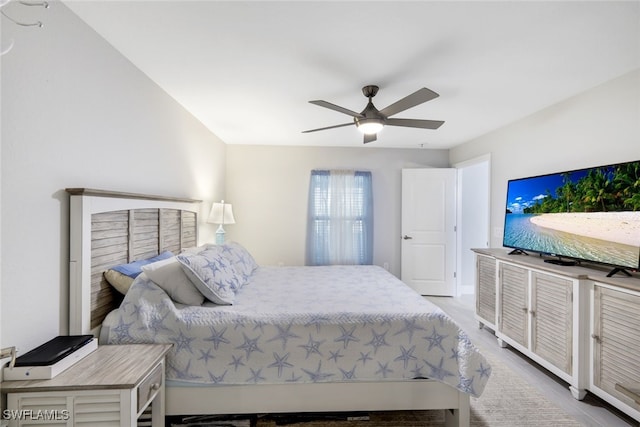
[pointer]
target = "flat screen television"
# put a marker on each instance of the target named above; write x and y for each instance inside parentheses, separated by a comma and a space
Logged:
(590, 215)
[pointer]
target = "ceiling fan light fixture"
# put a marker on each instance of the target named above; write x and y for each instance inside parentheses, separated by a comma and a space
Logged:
(371, 120)
(370, 126)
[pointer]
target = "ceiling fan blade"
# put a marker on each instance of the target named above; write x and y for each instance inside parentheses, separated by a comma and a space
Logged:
(334, 107)
(418, 97)
(329, 127)
(370, 137)
(413, 123)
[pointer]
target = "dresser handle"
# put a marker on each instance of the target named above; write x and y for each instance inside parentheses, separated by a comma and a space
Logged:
(595, 337)
(155, 386)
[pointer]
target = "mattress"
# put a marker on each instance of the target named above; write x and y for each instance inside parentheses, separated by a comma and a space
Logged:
(305, 325)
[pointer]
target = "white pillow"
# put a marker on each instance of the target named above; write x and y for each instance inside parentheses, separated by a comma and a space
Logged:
(121, 276)
(212, 273)
(169, 275)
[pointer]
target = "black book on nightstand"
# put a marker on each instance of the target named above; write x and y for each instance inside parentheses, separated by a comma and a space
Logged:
(51, 358)
(53, 351)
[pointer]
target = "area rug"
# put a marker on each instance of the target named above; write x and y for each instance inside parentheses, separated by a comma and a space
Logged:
(507, 401)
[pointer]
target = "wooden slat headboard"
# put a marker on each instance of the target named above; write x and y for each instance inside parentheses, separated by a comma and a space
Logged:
(110, 228)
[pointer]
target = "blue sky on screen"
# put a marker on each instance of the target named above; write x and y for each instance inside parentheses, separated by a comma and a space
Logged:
(525, 192)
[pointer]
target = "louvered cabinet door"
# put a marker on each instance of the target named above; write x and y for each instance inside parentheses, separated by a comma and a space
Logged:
(616, 341)
(87, 408)
(514, 303)
(552, 319)
(486, 288)
(38, 410)
(102, 408)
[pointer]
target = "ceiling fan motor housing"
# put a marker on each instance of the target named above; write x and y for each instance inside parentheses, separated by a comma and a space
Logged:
(370, 120)
(370, 91)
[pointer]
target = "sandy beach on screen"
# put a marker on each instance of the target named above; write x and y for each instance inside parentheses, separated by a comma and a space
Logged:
(620, 227)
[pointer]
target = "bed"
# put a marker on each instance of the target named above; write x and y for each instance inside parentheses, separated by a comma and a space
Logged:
(274, 349)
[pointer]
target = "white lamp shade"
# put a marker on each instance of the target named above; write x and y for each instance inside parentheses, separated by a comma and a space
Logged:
(221, 213)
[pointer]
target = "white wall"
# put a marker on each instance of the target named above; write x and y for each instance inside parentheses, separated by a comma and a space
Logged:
(76, 113)
(268, 187)
(598, 127)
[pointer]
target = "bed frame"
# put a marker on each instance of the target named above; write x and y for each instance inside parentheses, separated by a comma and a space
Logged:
(109, 228)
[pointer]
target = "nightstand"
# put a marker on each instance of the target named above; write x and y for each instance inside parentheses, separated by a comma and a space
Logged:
(111, 386)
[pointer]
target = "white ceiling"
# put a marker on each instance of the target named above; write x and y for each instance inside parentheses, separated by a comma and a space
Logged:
(248, 69)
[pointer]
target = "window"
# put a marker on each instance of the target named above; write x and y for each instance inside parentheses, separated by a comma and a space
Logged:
(340, 223)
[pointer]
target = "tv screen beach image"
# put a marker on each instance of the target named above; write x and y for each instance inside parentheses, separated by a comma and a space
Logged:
(590, 214)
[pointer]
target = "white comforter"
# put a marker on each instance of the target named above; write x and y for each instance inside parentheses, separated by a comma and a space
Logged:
(303, 324)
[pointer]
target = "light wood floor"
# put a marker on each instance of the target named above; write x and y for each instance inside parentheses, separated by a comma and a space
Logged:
(592, 411)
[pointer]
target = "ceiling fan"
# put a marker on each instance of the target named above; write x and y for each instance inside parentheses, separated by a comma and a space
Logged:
(371, 120)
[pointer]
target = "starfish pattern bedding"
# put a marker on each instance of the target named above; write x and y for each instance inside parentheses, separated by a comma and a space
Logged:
(303, 324)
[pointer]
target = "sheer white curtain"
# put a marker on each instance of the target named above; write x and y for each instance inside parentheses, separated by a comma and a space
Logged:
(340, 223)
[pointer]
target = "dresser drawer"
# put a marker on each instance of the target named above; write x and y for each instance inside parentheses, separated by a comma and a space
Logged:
(150, 386)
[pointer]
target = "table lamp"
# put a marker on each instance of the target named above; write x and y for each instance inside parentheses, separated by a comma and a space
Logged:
(221, 213)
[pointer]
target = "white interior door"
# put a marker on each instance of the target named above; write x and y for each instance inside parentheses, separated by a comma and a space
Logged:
(429, 230)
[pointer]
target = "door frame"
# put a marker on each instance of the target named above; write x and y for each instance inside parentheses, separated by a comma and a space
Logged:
(461, 215)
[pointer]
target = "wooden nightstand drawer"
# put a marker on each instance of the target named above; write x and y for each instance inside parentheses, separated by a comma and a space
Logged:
(150, 386)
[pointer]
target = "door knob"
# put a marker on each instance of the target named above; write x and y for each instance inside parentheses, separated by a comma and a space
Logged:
(405, 237)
